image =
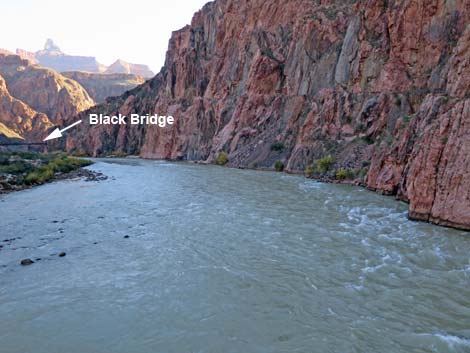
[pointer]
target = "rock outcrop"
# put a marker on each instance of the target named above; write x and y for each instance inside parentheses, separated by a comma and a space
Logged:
(123, 67)
(43, 89)
(101, 86)
(27, 55)
(18, 121)
(381, 86)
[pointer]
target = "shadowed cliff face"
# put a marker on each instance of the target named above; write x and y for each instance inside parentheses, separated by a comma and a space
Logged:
(382, 86)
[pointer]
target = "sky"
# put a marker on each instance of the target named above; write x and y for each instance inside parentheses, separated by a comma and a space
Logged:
(136, 31)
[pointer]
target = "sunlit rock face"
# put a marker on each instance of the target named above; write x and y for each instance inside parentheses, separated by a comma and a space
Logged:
(381, 86)
(123, 67)
(43, 89)
(100, 86)
(18, 121)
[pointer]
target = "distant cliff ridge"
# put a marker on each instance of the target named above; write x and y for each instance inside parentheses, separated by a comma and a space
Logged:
(102, 85)
(51, 56)
(43, 89)
(33, 99)
(379, 90)
(122, 67)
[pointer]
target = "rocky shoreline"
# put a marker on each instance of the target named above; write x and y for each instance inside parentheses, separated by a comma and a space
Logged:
(81, 173)
(20, 170)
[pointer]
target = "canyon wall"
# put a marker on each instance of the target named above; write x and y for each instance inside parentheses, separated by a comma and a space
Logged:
(18, 121)
(382, 86)
(101, 86)
(43, 89)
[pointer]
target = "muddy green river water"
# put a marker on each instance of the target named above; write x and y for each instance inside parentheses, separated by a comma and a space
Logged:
(224, 260)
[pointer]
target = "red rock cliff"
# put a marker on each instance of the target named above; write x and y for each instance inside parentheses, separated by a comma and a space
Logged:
(43, 89)
(18, 120)
(382, 86)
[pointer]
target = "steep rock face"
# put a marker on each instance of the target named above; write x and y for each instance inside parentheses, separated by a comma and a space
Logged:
(43, 89)
(101, 86)
(376, 82)
(123, 67)
(19, 121)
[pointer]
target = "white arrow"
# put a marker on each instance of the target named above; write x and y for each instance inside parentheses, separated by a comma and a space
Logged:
(58, 133)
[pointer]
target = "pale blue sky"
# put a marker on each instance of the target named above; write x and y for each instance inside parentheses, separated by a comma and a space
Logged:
(133, 30)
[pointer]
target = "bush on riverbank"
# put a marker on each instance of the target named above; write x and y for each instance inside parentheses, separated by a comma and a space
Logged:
(222, 158)
(320, 167)
(279, 166)
(57, 165)
(343, 174)
(29, 168)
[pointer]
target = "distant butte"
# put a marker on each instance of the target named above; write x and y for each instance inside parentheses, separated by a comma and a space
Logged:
(51, 56)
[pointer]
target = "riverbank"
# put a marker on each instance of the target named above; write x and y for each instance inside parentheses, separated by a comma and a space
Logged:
(24, 170)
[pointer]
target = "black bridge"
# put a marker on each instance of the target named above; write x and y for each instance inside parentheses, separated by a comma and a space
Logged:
(23, 143)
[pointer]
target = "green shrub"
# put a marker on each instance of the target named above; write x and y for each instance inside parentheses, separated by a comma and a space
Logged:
(397, 100)
(279, 166)
(117, 154)
(321, 166)
(368, 139)
(343, 174)
(67, 164)
(324, 164)
(78, 154)
(46, 171)
(40, 176)
(32, 178)
(310, 170)
(361, 127)
(26, 155)
(222, 159)
(277, 147)
(16, 167)
(35, 168)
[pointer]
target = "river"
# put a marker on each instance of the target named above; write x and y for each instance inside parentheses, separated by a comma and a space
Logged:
(176, 257)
